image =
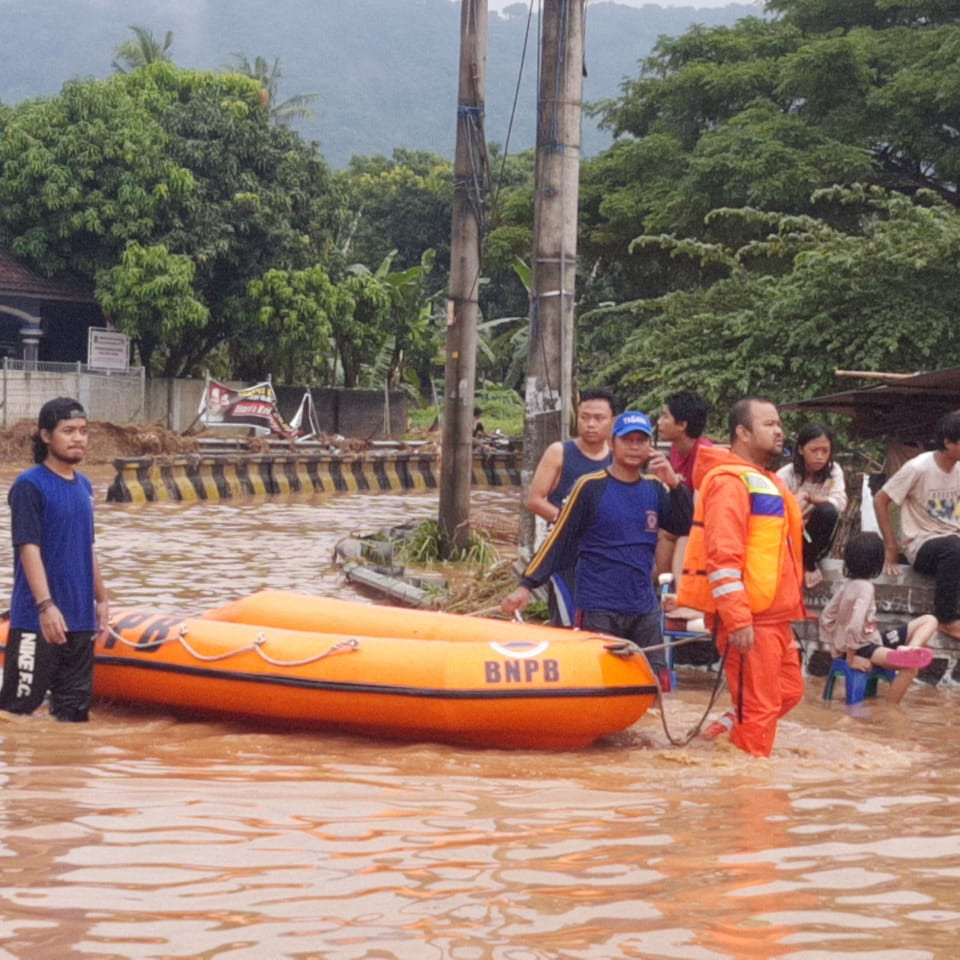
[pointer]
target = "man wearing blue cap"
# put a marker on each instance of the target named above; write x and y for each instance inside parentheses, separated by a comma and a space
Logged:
(608, 527)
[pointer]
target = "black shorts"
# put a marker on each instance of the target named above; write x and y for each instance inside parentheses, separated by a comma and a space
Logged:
(892, 638)
(32, 667)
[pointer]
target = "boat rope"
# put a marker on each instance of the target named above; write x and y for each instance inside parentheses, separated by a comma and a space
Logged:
(694, 731)
(256, 646)
(627, 648)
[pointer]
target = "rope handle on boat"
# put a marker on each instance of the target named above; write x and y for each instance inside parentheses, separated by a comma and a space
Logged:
(627, 648)
(347, 644)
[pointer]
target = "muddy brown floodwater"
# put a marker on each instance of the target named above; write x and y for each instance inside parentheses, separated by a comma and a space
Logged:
(143, 836)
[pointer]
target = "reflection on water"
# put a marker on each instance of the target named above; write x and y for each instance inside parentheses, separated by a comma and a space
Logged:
(140, 836)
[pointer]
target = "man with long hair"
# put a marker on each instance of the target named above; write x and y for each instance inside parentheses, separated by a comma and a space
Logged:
(59, 603)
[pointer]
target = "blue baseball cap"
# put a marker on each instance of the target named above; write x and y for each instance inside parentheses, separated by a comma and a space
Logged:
(631, 422)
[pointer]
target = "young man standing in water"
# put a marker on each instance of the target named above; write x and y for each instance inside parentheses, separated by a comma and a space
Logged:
(563, 463)
(744, 566)
(59, 603)
(607, 532)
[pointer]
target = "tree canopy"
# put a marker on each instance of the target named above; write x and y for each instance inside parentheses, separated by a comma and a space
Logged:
(182, 164)
(781, 201)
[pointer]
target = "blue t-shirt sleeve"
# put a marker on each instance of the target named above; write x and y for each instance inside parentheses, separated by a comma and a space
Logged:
(562, 547)
(26, 513)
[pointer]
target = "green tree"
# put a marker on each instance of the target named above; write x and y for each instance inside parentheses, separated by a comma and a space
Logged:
(883, 294)
(282, 112)
(413, 325)
(289, 326)
(792, 121)
(151, 294)
(141, 49)
(400, 205)
(766, 113)
(359, 324)
(165, 157)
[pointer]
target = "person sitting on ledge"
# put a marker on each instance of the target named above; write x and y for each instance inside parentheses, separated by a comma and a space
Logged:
(927, 490)
(816, 480)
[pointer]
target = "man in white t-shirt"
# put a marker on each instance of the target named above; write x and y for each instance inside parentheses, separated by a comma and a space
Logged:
(927, 490)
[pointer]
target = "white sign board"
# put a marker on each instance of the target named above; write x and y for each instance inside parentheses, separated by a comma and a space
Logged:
(108, 349)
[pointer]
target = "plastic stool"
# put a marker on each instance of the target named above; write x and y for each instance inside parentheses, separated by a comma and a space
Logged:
(857, 684)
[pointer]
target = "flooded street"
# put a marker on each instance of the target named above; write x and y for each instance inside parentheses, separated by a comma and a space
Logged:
(143, 836)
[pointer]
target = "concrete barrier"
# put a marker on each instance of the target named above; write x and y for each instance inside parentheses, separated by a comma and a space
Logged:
(216, 477)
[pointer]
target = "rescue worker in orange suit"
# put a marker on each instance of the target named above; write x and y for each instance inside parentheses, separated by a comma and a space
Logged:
(744, 567)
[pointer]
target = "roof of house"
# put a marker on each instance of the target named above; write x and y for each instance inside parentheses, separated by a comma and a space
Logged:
(899, 408)
(18, 280)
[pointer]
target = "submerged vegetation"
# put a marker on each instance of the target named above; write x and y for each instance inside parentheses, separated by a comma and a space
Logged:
(423, 544)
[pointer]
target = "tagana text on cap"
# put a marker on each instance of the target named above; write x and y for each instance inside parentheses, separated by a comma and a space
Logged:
(60, 408)
(631, 422)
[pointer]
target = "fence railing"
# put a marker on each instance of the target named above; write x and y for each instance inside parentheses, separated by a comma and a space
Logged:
(114, 396)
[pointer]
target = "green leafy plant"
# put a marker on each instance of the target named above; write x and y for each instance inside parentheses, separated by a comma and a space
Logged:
(423, 546)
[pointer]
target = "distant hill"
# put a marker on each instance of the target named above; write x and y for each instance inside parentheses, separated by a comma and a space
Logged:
(385, 70)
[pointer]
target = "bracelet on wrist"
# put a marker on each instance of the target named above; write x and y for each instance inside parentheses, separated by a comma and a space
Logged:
(45, 605)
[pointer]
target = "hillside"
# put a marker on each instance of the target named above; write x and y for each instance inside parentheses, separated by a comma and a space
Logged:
(385, 70)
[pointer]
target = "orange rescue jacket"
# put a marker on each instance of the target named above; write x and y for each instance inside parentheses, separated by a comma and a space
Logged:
(744, 558)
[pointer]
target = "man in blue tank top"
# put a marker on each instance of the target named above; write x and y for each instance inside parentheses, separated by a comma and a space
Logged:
(563, 463)
(608, 529)
(59, 602)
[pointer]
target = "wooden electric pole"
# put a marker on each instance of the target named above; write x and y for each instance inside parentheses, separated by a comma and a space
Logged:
(549, 386)
(470, 165)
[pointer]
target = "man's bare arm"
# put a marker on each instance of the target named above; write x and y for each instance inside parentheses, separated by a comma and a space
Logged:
(544, 482)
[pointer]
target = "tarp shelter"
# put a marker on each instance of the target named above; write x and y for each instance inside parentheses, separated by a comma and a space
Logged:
(899, 409)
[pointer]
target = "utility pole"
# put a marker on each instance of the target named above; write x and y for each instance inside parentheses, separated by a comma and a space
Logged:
(470, 165)
(548, 395)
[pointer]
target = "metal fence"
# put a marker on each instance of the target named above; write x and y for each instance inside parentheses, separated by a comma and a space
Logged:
(114, 396)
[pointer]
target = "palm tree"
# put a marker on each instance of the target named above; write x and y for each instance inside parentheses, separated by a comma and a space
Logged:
(282, 114)
(140, 50)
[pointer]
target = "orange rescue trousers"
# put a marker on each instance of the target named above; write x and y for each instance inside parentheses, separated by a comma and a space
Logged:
(765, 683)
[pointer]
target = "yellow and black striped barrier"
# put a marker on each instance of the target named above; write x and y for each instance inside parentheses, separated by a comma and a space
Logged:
(216, 477)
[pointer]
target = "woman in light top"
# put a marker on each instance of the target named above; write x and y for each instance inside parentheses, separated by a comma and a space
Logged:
(817, 481)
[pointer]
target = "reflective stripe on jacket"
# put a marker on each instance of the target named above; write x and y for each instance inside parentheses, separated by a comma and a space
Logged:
(742, 575)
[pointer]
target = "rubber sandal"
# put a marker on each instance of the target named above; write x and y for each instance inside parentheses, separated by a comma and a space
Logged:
(909, 658)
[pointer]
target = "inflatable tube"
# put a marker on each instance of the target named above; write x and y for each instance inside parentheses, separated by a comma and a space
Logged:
(298, 611)
(495, 684)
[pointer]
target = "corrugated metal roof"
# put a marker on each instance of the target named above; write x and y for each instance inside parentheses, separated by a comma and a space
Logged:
(903, 409)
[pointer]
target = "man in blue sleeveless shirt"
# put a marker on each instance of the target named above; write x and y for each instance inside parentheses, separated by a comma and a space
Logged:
(59, 602)
(608, 528)
(563, 463)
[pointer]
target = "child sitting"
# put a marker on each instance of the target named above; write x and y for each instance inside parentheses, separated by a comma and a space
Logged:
(848, 623)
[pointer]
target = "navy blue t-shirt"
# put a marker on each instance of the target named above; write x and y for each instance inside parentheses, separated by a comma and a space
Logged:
(57, 514)
(609, 529)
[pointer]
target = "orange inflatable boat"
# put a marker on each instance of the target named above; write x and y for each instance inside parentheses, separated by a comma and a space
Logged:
(379, 671)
